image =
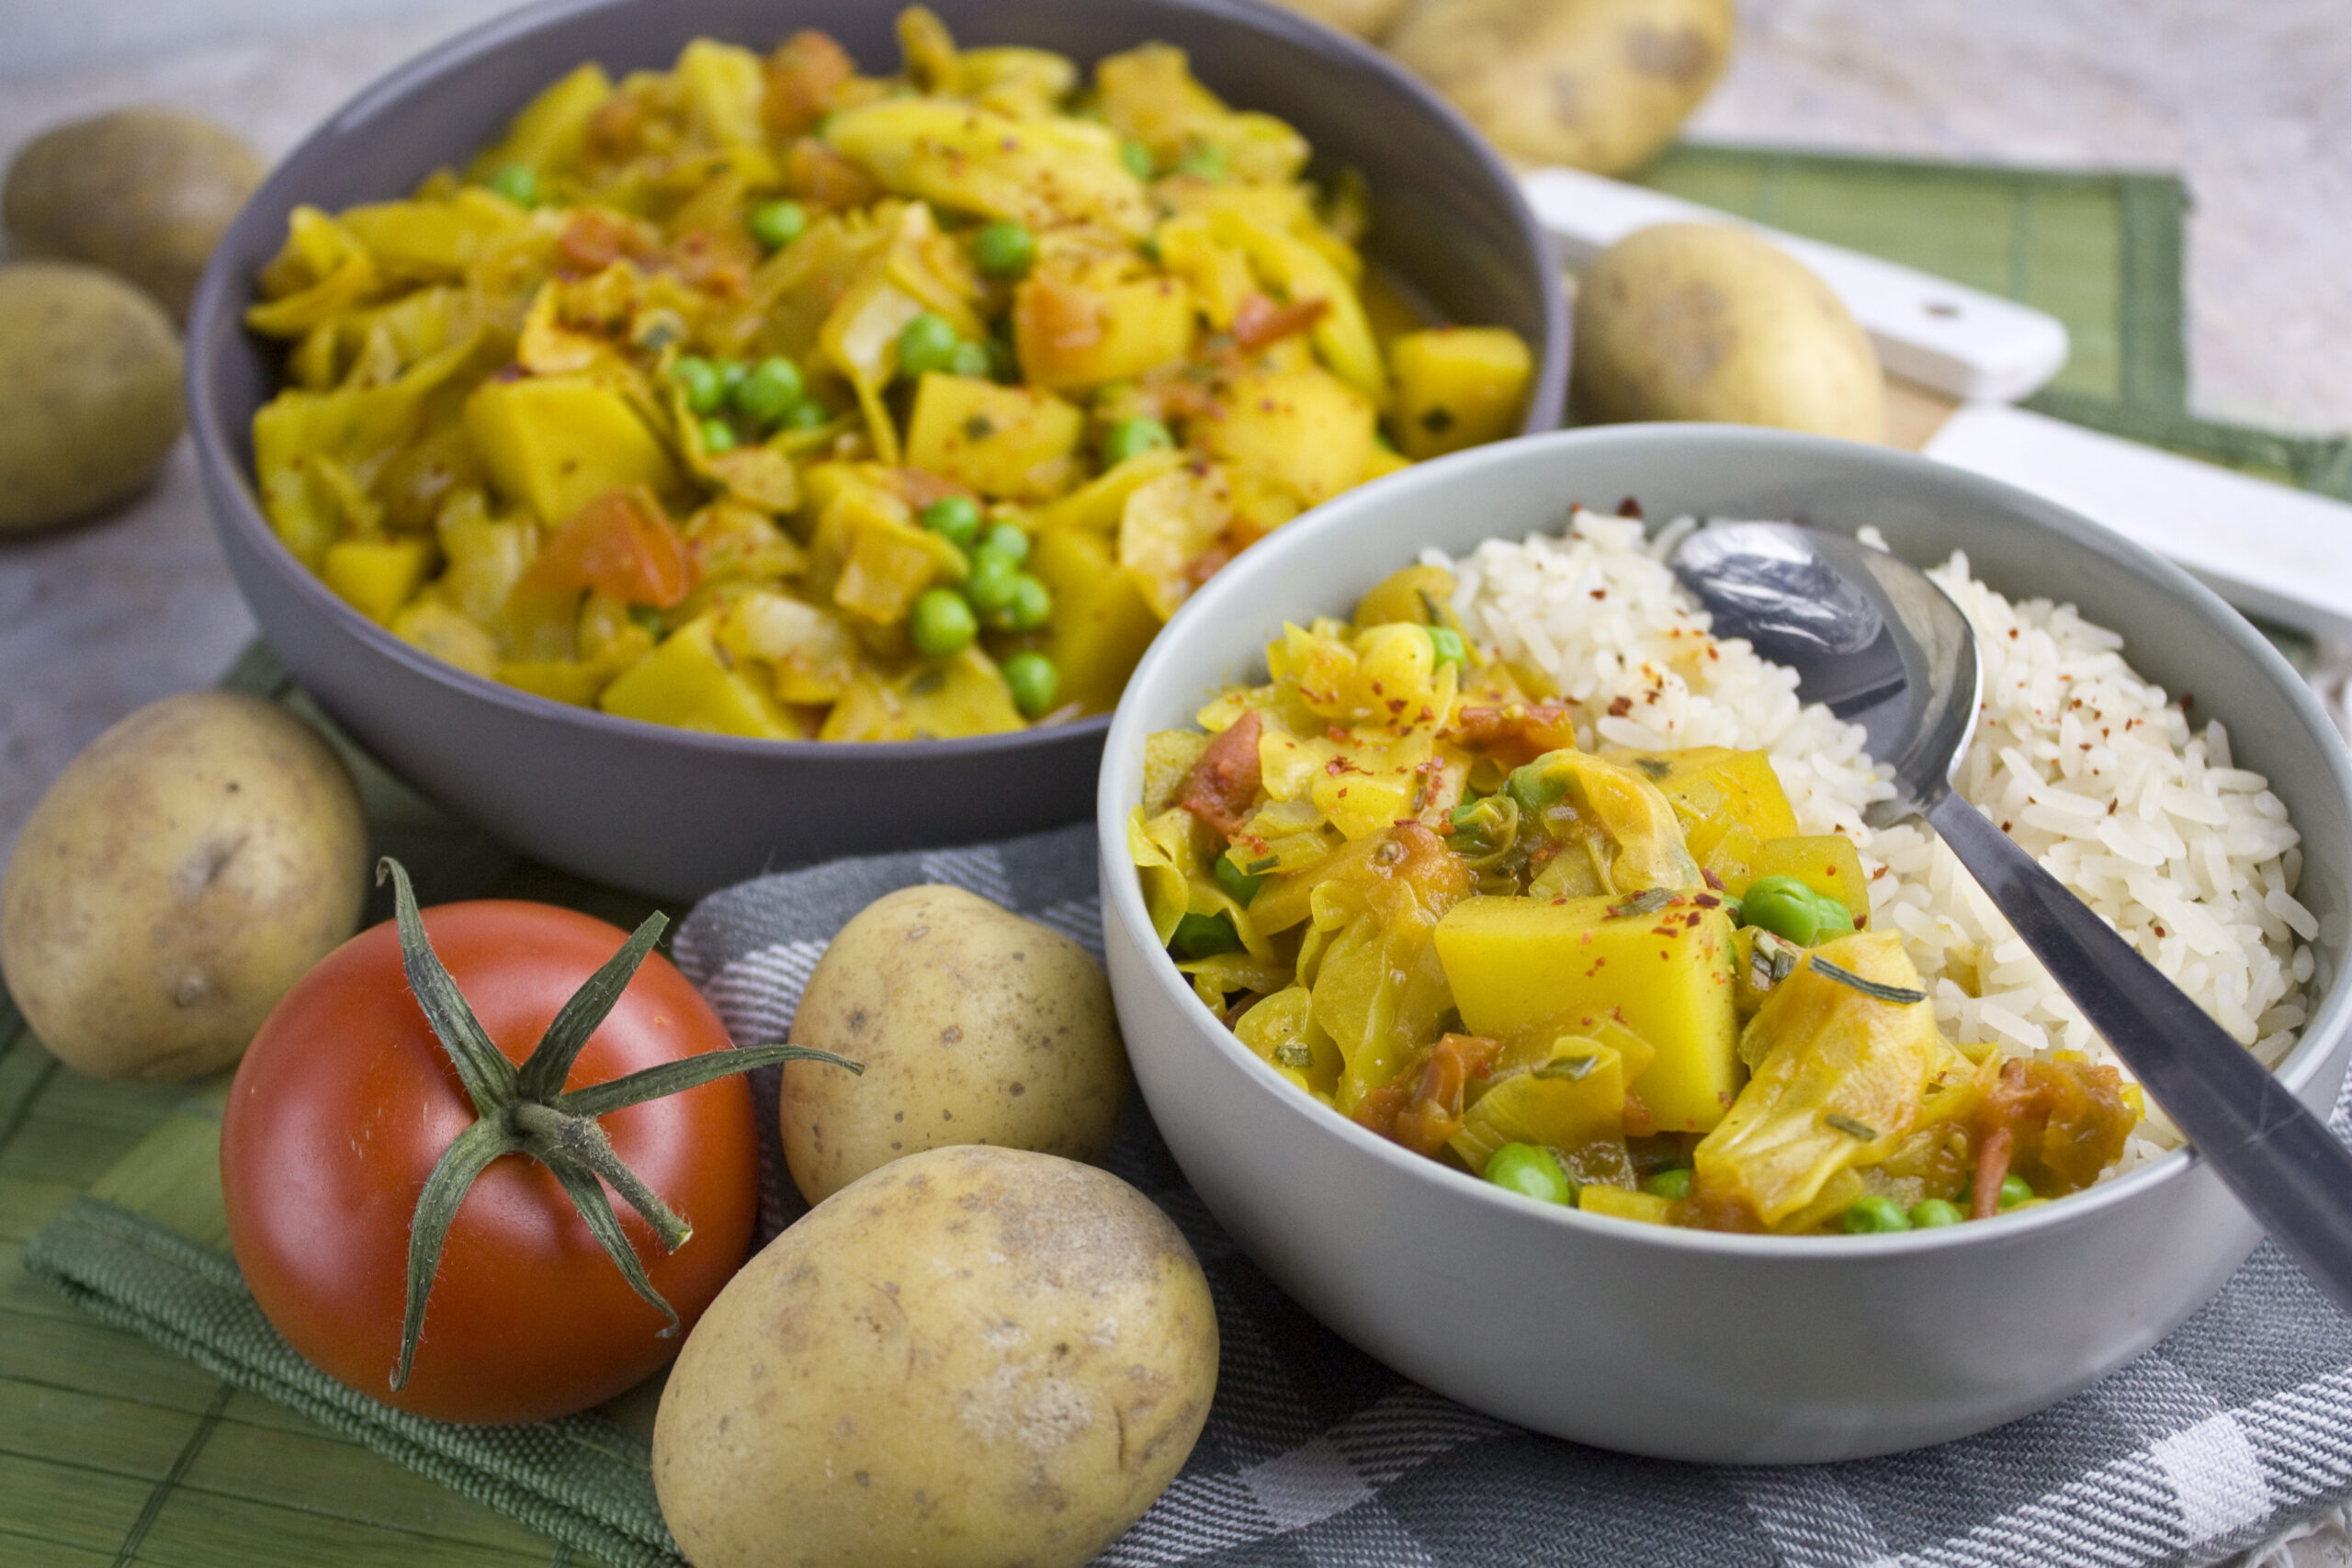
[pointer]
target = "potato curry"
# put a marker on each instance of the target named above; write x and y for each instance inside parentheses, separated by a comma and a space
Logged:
(1622, 981)
(761, 396)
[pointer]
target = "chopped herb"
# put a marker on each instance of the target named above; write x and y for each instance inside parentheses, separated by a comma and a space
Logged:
(1568, 1067)
(1260, 867)
(1428, 607)
(1648, 901)
(926, 683)
(1295, 1054)
(1861, 1131)
(1901, 995)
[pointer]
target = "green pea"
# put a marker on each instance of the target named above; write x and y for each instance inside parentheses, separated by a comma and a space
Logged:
(771, 389)
(1137, 158)
(1930, 1213)
(1132, 439)
(1674, 1183)
(1237, 884)
(1530, 1172)
(926, 344)
(1536, 786)
(972, 359)
(1032, 606)
(807, 415)
(1871, 1214)
(941, 623)
(718, 436)
(1787, 907)
(1034, 680)
(698, 378)
(1448, 644)
(993, 583)
(957, 519)
(1005, 250)
(517, 184)
(1206, 160)
(776, 224)
(2015, 1189)
(1007, 540)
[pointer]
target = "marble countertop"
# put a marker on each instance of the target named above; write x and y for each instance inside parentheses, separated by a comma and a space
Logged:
(2251, 103)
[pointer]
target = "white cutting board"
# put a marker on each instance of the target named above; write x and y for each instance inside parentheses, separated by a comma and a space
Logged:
(2269, 550)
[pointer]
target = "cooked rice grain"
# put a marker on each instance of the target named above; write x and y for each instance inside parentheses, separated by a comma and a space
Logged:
(2093, 770)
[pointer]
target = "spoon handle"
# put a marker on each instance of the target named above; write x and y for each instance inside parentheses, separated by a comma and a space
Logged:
(2279, 1160)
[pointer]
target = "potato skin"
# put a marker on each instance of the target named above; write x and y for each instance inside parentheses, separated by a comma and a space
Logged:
(1707, 322)
(89, 393)
(1598, 85)
(184, 870)
(1364, 18)
(972, 1356)
(974, 1026)
(140, 192)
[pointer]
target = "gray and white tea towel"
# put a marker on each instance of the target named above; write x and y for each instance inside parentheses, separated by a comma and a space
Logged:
(1316, 1456)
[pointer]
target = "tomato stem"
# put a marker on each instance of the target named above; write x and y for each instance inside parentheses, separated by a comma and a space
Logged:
(527, 1110)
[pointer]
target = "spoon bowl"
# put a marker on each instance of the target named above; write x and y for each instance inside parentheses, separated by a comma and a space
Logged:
(1873, 638)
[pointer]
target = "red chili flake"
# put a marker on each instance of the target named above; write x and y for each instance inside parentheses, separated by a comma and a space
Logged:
(1600, 593)
(1694, 919)
(2013, 634)
(1712, 880)
(1707, 900)
(1621, 708)
(2187, 700)
(2110, 808)
(2005, 826)
(2160, 930)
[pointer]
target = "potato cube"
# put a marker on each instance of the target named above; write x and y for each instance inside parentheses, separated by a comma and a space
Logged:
(1827, 863)
(1071, 337)
(691, 683)
(376, 576)
(1014, 442)
(1305, 427)
(556, 443)
(1102, 621)
(1662, 967)
(1457, 387)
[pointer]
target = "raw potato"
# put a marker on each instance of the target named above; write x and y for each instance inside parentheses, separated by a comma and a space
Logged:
(183, 870)
(1598, 85)
(89, 393)
(141, 192)
(974, 1026)
(974, 1358)
(1706, 322)
(1365, 18)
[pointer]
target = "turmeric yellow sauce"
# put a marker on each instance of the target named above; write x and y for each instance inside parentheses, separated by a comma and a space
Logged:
(1622, 981)
(761, 396)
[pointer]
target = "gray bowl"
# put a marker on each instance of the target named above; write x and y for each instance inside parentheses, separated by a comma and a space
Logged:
(676, 813)
(1685, 1344)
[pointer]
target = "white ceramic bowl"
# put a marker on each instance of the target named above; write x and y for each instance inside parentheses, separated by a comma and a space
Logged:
(1686, 1343)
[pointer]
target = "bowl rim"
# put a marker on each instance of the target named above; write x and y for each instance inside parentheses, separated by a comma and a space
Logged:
(215, 318)
(1295, 544)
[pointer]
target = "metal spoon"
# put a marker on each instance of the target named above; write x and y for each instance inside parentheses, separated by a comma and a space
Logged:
(1884, 648)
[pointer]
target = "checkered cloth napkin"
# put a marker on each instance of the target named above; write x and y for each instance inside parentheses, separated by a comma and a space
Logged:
(1317, 1456)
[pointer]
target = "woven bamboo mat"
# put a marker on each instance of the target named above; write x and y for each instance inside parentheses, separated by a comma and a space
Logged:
(113, 1452)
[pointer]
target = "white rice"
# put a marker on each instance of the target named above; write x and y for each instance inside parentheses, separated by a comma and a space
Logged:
(2093, 770)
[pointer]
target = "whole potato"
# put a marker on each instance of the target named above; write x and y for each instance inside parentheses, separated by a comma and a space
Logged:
(1598, 85)
(89, 393)
(1364, 18)
(141, 192)
(974, 1026)
(973, 1357)
(1707, 322)
(183, 870)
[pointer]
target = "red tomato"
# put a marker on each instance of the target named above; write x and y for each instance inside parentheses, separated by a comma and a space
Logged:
(347, 1099)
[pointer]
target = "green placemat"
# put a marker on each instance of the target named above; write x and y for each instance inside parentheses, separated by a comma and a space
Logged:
(192, 1435)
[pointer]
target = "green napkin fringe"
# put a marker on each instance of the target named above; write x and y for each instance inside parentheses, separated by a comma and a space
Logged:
(580, 1479)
